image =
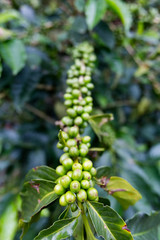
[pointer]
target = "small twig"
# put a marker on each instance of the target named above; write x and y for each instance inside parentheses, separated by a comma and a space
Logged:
(45, 87)
(40, 114)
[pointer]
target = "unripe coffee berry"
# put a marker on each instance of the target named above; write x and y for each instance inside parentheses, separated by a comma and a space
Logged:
(68, 103)
(69, 174)
(88, 109)
(79, 109)
(78, 121)
(85, 184)
(92, 194)
(65, 181)
(60, 170)
(70, 197)
(63, 157)
(60, 146)
(71, 143)
(85, 116)
(82, 196)
(73, 131)
(65, 149)
(77, 175)
(74, 207)
(62, 201)
(59, 189)
(93, 171)
(75, 186)
(76, 166)
(75, 93)
(83, 152)
(67, 163)
(67, 121)
(71, 112)
(87, 165)
(86, 139)
(74, 152)
(86, 175)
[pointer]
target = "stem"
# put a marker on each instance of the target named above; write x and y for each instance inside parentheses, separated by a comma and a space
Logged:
(90, 235)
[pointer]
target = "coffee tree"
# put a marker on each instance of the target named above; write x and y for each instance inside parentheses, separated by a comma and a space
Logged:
(75, 181)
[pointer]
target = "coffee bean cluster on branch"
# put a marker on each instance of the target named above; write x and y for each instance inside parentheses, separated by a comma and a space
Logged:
(76, 172)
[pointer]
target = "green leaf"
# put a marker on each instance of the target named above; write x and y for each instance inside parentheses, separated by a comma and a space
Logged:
(122, 190)
(0, 71)
(104, 172)
(14, 54)
(122, 11)
(79, 231)
(96, 149)
(99, 124)
(61, 229)
(79, 4)
(94, 10)
(9, 222)
(42, 173)
(8, 16)
(39, 183)
(144, 226)
(5, 34)
(107, 222)
(105, 201)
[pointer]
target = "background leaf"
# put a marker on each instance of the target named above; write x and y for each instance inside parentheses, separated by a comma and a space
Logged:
(9, 15)
(144, 226)
(107, 222)
(14, 54)
(98, 9)
(122, 11)
(59, 230)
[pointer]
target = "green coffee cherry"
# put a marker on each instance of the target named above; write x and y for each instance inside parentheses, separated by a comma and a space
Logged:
(91, 183)
(69, 174)
(82, 196)
(71, 112)
(62, 201)
(87, 165)
(76, 166)
(74, 152)
(85, 116)
(65, 149)
(86, 139)
(75, 93)
(65, 181)
(59, 189)
(68, 103)
(67, 121)
(92, 194)
(71, 143)
(77, 175)
(85, 184)
(79, 109)
(67, 163)
(86, 175)
(75, 186)
(63, 157)
(68, 96)
(74, 207)
(93, 171)
(60, 170)
(87, 109)
(78, 121)
(83, 151)
(70, 197)
(60, 146)
(73, 131)
(64, 136)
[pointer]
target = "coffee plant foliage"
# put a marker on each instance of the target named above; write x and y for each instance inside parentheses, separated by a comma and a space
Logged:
(37, 40)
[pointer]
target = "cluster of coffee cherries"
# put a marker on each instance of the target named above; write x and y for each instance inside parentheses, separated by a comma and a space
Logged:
(76, 172)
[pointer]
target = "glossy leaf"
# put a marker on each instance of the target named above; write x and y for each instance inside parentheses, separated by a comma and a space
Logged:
(104, 172)
(14, 54)
(5, 34)
(107, 222)
(122, 11)
(8, 16)
(9, 222)
(98, 123)
(42, 173)
(61, 229)
(42, 195)
(144, 226)
(121, 190)
(98, 9)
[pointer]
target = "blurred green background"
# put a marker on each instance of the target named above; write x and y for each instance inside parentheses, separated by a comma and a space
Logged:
(36, 38)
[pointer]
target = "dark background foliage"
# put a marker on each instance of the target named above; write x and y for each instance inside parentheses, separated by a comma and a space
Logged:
(36, 38)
